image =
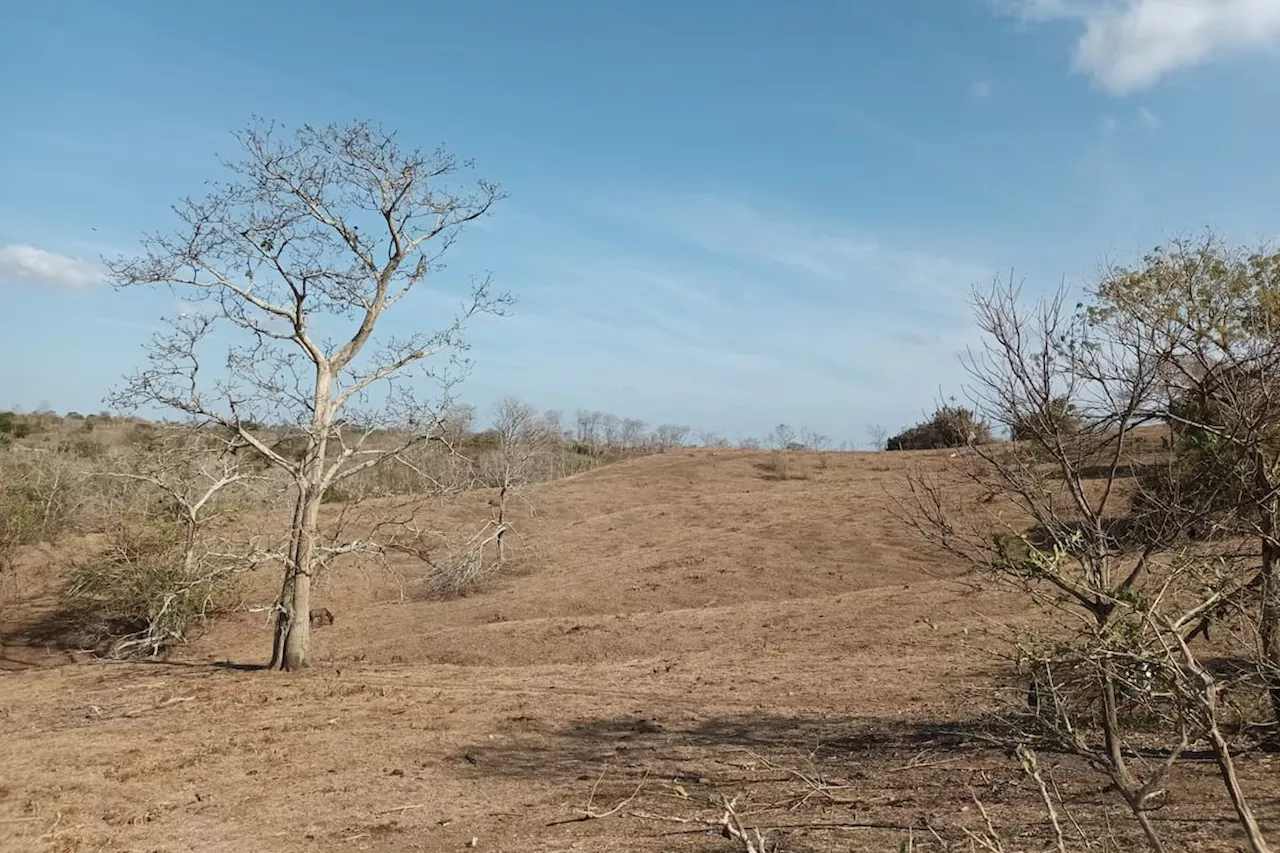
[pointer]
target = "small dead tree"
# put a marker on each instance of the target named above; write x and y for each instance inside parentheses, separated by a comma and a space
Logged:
(670, 436)
(192, 468)
(588, 430)
(611, 431)
(782, 437)
(631, 435)
(524, 442)
(291, 266)
(814, 440)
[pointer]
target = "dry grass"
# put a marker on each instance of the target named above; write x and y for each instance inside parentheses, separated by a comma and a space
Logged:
(784, 645)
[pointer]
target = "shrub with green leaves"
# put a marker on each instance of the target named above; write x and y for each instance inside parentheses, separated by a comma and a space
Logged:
(950, 426)
(1059, 418)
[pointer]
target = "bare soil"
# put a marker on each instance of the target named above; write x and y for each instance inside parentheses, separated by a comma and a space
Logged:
(683, 627)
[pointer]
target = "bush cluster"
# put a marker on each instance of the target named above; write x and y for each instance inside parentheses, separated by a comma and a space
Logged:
(950, 426)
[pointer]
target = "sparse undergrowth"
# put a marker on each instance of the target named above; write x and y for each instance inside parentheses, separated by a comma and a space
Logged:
(143, 594)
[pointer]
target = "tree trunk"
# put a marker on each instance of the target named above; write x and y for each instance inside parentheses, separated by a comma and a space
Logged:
(1118, 770)
(1269, 622)
(502, 520)
(1269, 609)
(1227, 769)
(291, 648)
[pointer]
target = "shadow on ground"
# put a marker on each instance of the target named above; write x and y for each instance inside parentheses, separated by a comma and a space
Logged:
(565, 752)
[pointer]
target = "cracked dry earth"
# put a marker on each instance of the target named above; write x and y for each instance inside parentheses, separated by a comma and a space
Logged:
(684, 630)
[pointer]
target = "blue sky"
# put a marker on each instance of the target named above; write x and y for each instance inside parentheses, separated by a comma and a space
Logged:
(723, 214)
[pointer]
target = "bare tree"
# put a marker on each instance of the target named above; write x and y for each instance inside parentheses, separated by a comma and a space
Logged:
(782, 437)
(523, 442)
(611, 431)
(1077, 520)
(587, 429)
(813, 440)
(670, 436)
(712, 439)
(291, 265)
(631, 434)
(554, 419)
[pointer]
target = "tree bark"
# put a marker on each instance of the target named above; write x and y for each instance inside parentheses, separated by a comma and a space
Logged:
(291, 649)
(1269, 609)
(1269, 622)
(1227, 769)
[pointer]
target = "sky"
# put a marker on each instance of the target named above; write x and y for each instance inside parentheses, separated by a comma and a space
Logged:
(720, 214)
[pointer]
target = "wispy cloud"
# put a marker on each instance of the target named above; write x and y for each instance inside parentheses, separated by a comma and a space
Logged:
(30, 265)
(1129, 45)
(1148, 119)
(835, 258)
(731, 314)
(980, 92)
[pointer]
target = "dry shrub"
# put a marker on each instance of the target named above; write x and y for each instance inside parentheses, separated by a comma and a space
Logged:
(461, 565)
(38, 493)
(20, 519)
(783, 465)
(143, 594)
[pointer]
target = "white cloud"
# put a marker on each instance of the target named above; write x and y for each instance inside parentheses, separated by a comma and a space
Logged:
(47, 269)
(1129, 45)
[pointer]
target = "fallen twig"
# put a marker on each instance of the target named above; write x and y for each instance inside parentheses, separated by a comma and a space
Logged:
(588, 814)
(751, 840)
(402, 808)
(175, 700)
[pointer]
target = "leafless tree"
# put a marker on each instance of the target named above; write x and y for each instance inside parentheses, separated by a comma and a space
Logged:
(782, 437)
(611, 430)
(290, 267)
(554, 419)
(524, 445)
(192, 469)
(712, 439)
(1071, 519)
(631, 434)
(813, 440)
(587, 429)
(670, 436)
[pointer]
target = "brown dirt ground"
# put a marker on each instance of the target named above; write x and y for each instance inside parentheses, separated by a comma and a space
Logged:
(682, 621)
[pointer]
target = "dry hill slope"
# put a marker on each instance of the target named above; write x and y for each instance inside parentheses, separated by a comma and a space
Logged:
(687, 619)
